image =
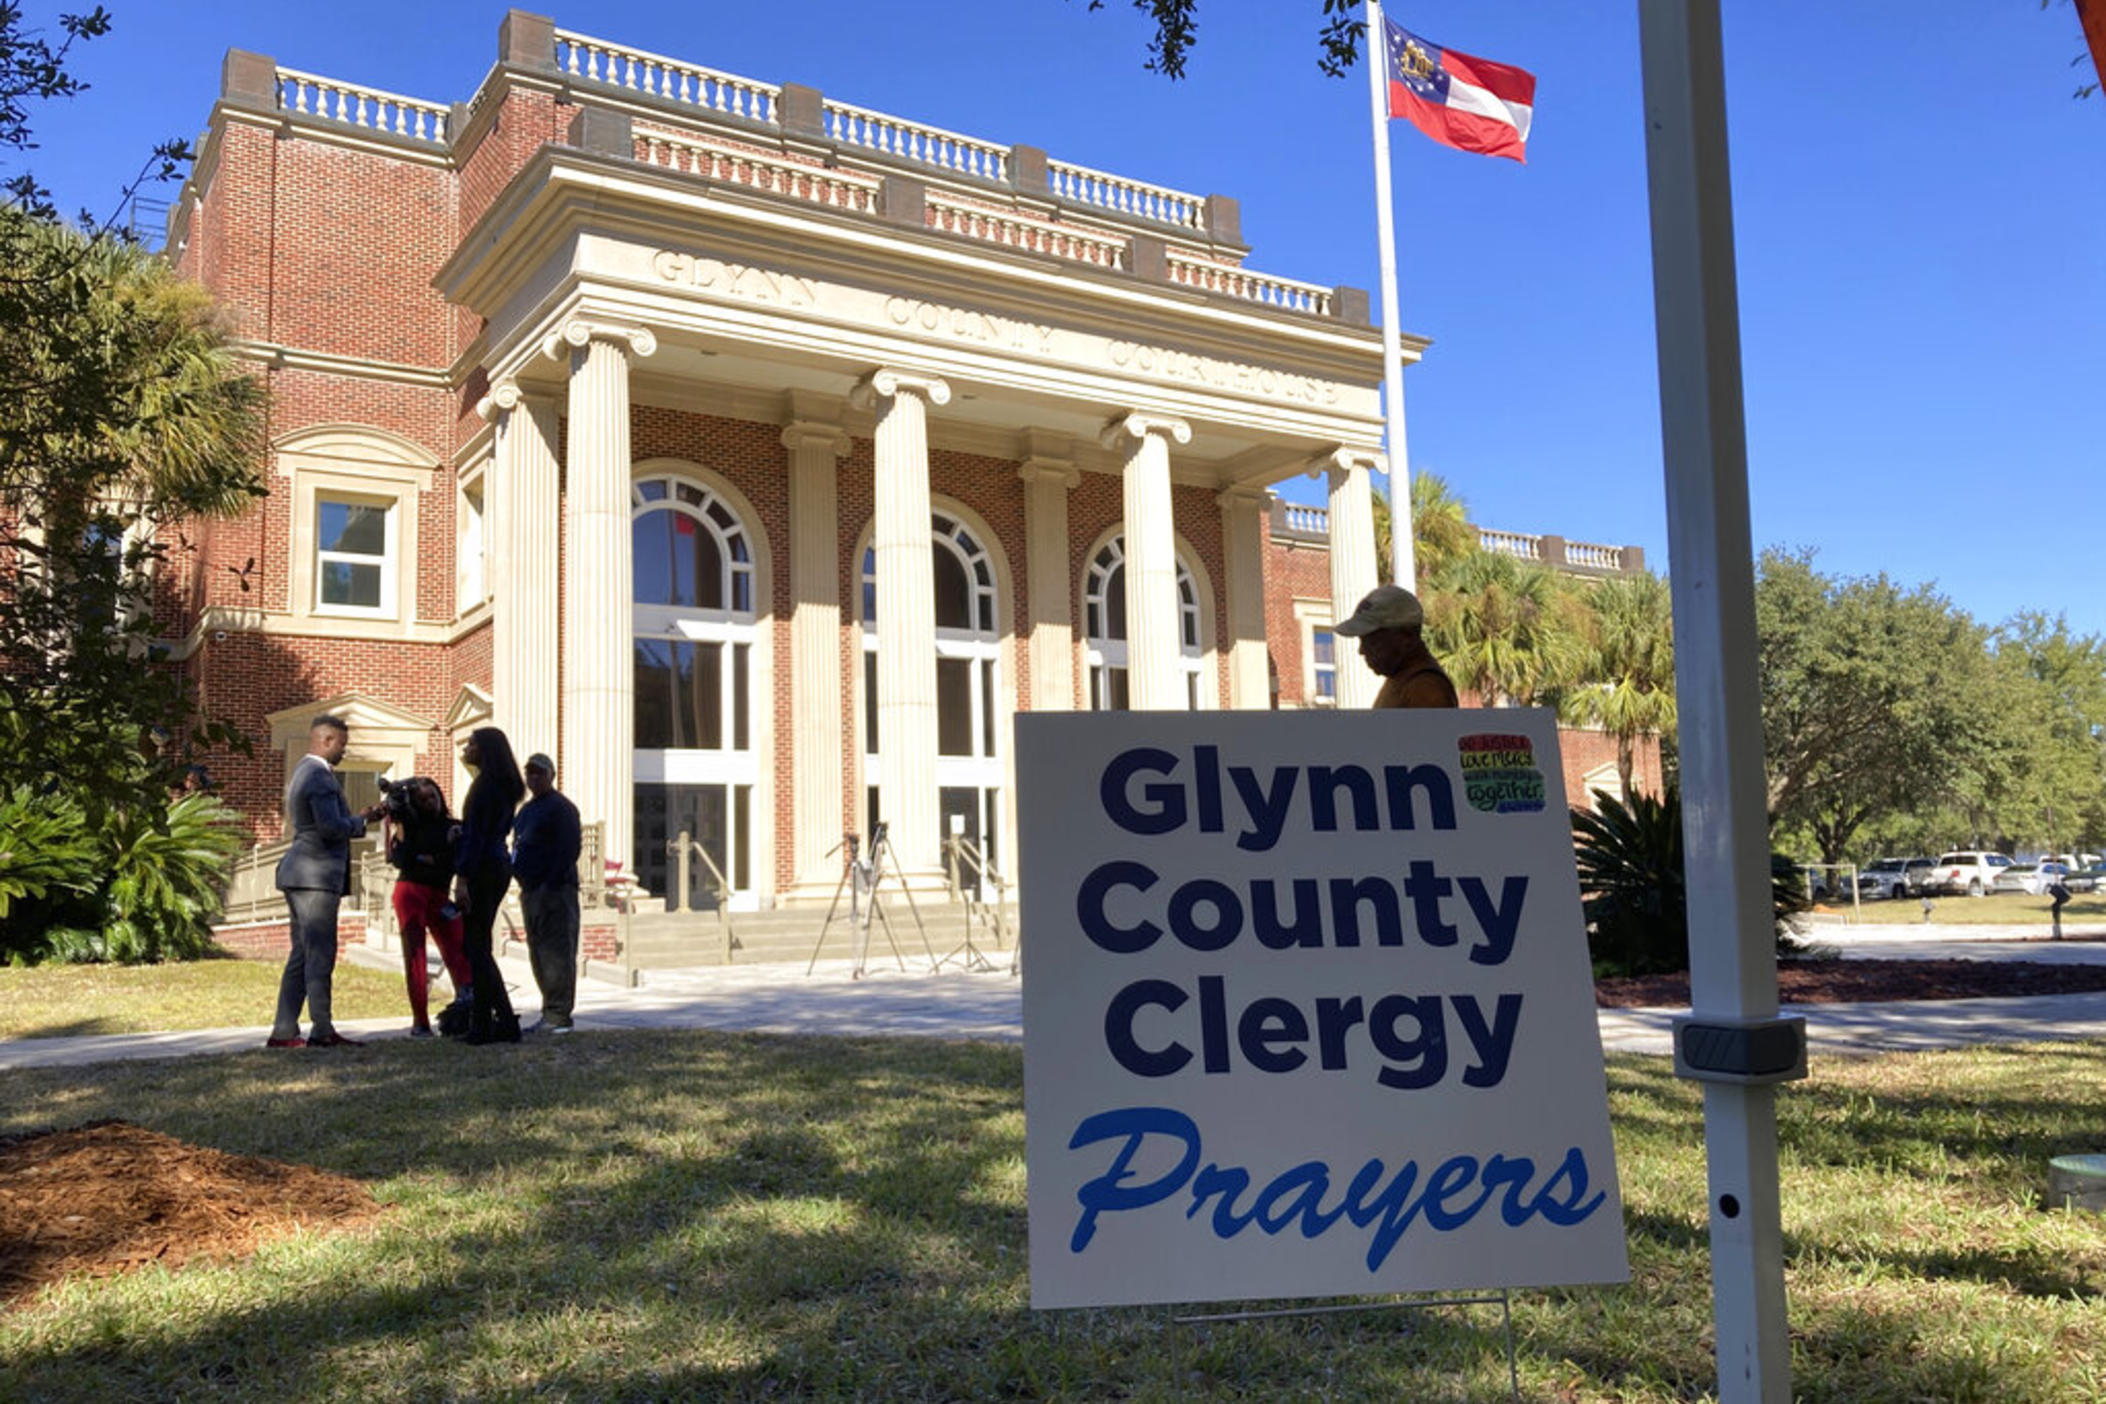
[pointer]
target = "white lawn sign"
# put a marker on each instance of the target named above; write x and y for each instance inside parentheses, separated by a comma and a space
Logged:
(1307, 1009)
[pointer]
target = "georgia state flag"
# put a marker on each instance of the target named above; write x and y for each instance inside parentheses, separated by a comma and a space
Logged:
(1471, 104)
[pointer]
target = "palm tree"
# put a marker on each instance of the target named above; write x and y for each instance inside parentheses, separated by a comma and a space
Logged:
(1629, 687)
(1440, 532)
(1507, 629)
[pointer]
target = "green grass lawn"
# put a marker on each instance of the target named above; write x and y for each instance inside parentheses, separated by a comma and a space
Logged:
(54, 1001)
(704, 1216)
(1998, 909)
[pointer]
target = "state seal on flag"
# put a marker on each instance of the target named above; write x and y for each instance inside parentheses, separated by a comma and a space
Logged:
(1500, 774)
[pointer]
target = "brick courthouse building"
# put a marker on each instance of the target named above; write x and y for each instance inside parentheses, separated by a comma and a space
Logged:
(756, 454)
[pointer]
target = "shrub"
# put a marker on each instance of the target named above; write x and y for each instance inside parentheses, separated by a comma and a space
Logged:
(144, 888)
(1631, 885)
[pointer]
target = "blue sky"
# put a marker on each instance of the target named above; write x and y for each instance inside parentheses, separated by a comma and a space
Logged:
(1920, 213)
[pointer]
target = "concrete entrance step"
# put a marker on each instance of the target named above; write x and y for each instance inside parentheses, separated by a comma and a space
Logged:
(676, 940)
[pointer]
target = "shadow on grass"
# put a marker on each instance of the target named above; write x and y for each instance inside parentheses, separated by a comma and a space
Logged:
(721, 1216)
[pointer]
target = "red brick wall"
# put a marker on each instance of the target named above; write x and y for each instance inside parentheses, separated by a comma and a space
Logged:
(1292, 572)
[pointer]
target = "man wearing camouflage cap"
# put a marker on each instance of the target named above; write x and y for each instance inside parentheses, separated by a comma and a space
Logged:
(1387, 623)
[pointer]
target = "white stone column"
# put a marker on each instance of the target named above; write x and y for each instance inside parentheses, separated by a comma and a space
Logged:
(815, 656)
(599, 680)
(906, 617)
(1243, 526)
(1154, 674)
(1352, 557)
(520, 490)
(1049, 476)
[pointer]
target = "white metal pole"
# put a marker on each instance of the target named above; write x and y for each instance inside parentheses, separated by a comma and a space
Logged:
(1400, 548)
(1733, 979)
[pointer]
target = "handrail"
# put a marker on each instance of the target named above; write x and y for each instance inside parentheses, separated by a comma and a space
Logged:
(679, 848)
(961, 853)
(1027, 232)
(356, 105)
(656, 75)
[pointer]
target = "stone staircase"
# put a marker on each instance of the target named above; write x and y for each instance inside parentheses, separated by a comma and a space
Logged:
(683, 940)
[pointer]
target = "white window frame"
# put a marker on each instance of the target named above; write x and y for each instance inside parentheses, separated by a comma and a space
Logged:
(727, 765)
(1101, 652)
(351, 462)
(389, 560)
(471, 581)
(1312, 616)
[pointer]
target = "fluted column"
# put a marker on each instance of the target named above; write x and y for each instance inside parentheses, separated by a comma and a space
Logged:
(815, 655)
(1352, 556)
(1049, 476)
(1154, 673)
(1243, 525)
(524, 525)
(906, 616)
(599, 681)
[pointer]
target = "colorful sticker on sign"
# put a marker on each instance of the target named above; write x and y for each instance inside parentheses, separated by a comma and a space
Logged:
(1500, 774)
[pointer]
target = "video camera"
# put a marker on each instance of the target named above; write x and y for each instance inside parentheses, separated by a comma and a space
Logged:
(400, 796)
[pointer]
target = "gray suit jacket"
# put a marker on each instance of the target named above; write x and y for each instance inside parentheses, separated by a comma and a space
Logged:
(322, 829)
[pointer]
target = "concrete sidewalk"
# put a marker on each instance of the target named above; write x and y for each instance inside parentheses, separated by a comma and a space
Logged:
(988, 1005)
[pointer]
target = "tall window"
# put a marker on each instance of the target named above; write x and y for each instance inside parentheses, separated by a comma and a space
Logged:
(968, 676)
(695, 631)
(354, 555)
(1104, 630)
(471, 580)
(1323, 666)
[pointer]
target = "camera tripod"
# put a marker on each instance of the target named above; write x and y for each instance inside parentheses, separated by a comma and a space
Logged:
(860, 879)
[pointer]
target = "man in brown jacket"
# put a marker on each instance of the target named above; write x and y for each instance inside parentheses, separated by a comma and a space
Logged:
(1387, 623)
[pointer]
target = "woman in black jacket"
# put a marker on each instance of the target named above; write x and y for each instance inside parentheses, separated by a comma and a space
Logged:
(482, 872)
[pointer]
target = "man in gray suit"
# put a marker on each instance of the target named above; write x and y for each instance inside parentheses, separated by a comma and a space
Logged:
(315, 875)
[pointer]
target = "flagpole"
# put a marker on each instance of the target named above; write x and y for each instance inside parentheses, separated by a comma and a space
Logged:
(1400, 540)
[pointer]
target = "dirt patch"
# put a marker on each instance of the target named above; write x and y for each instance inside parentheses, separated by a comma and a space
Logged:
(109, 1196)
(1872, 981)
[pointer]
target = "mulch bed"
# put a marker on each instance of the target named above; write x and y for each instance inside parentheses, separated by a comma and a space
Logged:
(109, 1196)
(1871, 981)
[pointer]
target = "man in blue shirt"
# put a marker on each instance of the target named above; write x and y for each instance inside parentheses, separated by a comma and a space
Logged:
(545, 843)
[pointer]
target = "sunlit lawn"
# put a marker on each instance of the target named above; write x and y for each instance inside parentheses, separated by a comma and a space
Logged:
(704, 1216)
(1996, 909)
(51, 1001)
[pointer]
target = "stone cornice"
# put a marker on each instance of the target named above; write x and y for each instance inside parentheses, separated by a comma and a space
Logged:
(1243, 496)
(1139, 425)
(1061, 471)
(887, 383)
(281, 357)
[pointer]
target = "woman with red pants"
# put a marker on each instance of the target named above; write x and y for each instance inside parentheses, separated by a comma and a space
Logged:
(422, 851)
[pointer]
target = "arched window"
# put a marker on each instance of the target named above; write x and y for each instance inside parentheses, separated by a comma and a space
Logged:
(968, 678)
(695, 630)
(1104, 630)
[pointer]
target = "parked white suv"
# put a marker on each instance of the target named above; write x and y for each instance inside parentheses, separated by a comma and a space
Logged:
(1893, 877)
(1971, 871)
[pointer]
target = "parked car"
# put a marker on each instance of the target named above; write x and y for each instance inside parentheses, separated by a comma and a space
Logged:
(1968, 870)
(2030, 878)
(2091, 879)
(1893, 877)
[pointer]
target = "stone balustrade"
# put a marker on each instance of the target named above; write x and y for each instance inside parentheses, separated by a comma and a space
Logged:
(655, 75)
(917, 142)
(819, 184)
(981, 176)
(1511, 543)
(1231, 281)
(1133, 199)
(1312, 526)
(313, 96)
(1025, 232)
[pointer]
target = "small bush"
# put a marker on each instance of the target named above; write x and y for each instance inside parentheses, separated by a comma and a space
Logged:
(1632, 889)
(144, 888)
